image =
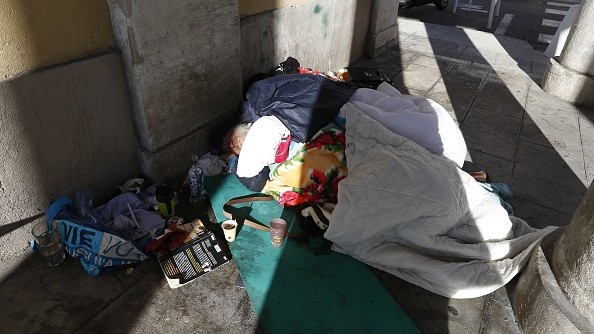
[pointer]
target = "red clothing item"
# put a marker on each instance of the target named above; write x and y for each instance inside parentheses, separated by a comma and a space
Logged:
(166, 243)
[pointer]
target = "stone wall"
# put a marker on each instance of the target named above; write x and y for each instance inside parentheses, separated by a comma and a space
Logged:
(36, 34)
(183, 70)
(323, 35)
(65, 115)
(61, 129)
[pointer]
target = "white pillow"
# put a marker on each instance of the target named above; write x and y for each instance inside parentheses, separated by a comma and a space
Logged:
(415, 117)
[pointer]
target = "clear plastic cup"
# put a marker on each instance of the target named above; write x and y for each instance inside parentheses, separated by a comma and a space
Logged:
(49, 242)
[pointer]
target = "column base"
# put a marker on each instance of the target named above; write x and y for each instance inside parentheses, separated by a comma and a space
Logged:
(539, 304)
(568, 84)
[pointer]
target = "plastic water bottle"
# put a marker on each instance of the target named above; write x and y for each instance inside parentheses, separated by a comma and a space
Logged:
(196, 181)
(83, 203)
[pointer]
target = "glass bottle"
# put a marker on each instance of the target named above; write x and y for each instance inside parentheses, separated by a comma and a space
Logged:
(196, 181)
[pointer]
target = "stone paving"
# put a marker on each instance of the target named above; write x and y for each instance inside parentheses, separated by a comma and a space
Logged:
(519, 134)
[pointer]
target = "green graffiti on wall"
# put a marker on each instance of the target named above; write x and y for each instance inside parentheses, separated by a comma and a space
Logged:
(325, 20)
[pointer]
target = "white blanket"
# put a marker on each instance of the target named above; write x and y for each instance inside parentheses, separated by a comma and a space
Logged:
(418, 216)
(417, 118)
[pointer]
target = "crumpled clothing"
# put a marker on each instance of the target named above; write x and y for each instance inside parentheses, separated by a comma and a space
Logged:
(212, 165)
(132, 185)
(289, 66)
(117, 215)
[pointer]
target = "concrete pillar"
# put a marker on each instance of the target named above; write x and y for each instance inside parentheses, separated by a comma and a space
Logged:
(539, 304)
(573, 258)
(182, 63)
(557, 297)
(383, 27)
(578, 53)
(571, 75)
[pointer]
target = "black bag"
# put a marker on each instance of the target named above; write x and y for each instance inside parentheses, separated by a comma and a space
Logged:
(370, 77)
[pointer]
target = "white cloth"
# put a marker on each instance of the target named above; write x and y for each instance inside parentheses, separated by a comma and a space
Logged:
(417, 118)
(260, 145)
(418, 216)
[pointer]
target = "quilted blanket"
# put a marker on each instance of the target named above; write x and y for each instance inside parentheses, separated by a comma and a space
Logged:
(312, 174)
(420, 217)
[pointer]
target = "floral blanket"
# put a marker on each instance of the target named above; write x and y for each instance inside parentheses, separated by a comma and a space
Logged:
(312, 174)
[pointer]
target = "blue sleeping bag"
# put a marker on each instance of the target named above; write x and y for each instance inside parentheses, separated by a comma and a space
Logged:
(304, 103)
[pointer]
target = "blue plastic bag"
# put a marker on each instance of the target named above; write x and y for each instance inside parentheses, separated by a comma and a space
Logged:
(98, 247)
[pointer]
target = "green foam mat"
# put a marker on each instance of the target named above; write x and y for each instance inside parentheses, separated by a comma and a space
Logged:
(299, 287)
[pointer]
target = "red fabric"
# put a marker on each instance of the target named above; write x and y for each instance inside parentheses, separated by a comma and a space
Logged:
(282, 152)
(172, 239)
(306, 70)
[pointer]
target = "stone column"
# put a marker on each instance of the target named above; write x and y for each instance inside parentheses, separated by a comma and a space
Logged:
(556, 297)
(383, 27)
(571, 75)
(183, 68)
(573, 258)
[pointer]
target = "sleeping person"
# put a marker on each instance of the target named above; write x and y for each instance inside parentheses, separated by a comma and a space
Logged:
(406, 207)
(278, 116)
(262, 144)
(291, 109)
